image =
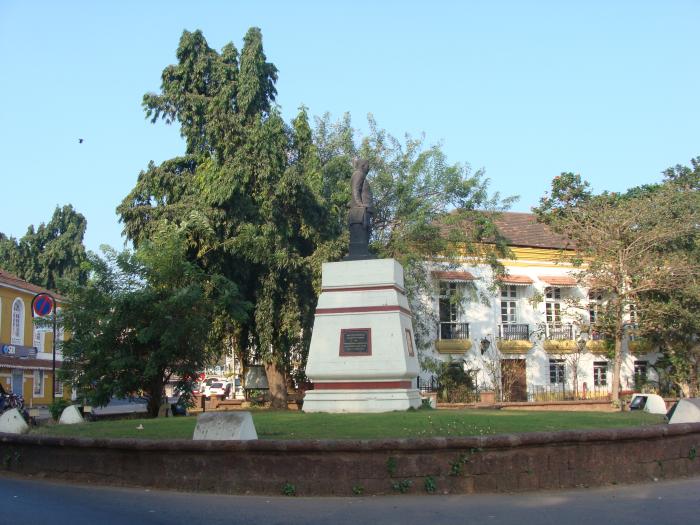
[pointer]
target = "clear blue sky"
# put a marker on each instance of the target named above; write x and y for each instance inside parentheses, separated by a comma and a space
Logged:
(525, 90)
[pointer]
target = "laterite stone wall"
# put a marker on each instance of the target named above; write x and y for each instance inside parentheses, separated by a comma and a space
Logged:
(504, 463)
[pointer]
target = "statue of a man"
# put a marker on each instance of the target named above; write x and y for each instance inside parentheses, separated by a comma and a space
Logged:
(361, 211)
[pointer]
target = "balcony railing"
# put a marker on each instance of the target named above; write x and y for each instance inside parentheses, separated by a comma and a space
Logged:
(449, 330)
(560, 332)
(514, 332)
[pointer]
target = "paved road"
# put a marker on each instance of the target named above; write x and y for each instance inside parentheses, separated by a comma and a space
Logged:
(31, 502)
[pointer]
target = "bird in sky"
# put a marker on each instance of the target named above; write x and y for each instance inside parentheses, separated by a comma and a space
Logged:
(80, 141)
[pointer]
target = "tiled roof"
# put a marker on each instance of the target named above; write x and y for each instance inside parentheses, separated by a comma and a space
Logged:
(27, 364)
(516, 279)
(522, 229)
(14, 281)
(454, 276)
(558, 280)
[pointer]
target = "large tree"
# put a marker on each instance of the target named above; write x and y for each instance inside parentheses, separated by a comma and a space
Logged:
(265, 203)
(622, 245)
(669, 319)
(247, 192)
(143, 318)
(50, 253)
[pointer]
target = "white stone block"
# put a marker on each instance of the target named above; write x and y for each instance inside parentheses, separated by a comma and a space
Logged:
(12, 422)
(71, 416)
(364, 401)
(225, 426)
(686, 411)
(370, 272)
(654, 403)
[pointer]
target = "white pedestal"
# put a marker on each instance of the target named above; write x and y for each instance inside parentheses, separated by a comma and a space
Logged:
(362, 356)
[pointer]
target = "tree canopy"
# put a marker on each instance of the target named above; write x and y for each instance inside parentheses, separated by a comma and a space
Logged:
(144, 318)
(629, 247)
(51, 253)
(264, 202)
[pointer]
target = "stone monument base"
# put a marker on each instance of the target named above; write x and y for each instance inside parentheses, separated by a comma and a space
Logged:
(349, 400)
(362, 356)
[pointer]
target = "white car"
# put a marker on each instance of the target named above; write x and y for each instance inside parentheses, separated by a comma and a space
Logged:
(221, 389)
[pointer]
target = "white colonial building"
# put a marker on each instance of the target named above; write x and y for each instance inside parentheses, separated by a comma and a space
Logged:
(532, 332)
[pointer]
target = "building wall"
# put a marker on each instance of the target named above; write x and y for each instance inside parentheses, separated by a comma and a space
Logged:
(8, 295)
(483, 313)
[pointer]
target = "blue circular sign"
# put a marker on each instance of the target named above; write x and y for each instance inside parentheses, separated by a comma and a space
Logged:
(43, 304)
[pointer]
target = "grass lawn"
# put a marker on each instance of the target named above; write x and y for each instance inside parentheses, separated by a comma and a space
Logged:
(420, 423)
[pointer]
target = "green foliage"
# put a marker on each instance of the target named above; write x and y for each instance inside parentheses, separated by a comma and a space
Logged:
(51, 253)
(457, 465)
(289, 490)
(693, 453)
(402, 486)
(456, 384)
(391, 465)
(425, 207)
(248, 194)
(633, 249)
(57, 407)
(264, 203)
(358, 490)
(144, 317)
(430, 485)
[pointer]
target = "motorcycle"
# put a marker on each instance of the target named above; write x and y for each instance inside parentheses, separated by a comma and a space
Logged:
(12, 400)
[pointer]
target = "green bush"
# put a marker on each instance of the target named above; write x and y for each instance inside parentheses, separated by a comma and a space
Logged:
(57, 407)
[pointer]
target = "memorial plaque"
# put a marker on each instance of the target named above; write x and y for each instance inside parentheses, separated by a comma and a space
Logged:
(356, 341)
(409, 343)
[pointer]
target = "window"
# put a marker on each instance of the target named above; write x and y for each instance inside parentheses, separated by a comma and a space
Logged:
(448, 303)
(595, 301)
(17, 330)
(38, 342)
(38, 383)
(600, 373)
(59, 389)
(640, 371)
(552, 305)
(556, 371)
(509, 304)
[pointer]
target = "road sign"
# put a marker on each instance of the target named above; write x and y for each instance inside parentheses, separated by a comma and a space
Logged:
(43, 304)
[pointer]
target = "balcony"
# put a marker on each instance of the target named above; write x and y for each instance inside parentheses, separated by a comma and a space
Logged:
(514, 338)
(514, 332)
(453, 338)
(598, 342)
(560, 339)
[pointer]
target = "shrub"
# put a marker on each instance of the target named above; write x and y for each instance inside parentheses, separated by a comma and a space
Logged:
(57, 407)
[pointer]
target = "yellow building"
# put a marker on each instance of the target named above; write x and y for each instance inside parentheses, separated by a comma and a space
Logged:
(25, 347)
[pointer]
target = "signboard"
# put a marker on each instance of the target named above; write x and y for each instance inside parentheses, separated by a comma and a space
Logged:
(18, 351)
(355, 341)
(42, 304)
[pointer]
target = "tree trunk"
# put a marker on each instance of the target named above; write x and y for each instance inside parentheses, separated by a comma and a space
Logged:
(155, 399)
(277, 381)
(153, 406)
(617, 365)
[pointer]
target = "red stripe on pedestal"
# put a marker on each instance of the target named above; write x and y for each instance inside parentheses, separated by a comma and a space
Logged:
(362, 310)
(362, 385)
(365, 288)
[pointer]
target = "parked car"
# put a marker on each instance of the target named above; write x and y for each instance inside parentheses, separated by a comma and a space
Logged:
(221, 389)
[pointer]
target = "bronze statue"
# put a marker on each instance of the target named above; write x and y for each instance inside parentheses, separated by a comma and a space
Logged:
(361, 212)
